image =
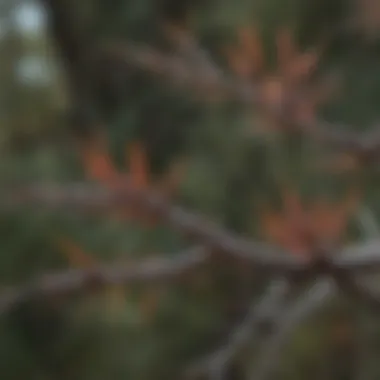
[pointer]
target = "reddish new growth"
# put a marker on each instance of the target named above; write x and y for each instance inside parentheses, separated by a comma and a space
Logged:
(287, 89)
(98, 166)
(301, 229)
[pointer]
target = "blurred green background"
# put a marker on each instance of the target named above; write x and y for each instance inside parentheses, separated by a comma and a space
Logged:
(155, 334)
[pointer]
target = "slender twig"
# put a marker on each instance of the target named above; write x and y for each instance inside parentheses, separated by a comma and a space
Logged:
(180, 72)
(358, 257)
(368, 254)
(368, 224)
(187, 46)
(358, 289)
(370, 230)
(285, 325)
(263, 311)
(67, 282)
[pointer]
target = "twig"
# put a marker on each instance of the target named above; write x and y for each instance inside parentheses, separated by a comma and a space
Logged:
(358, 257)
(268, 307)
(187, 46)
(368, 224)
(180, 72)
(67, 282)
(368, 254)
(287, 322)
(358, 289)
(370, 230)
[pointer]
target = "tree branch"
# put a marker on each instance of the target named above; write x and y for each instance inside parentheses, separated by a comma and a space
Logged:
(208, 79)
(67, 282)
(358, 257)
(368, 254)
(87, 197)
(263, 312)
(94, 198)
(287, 322)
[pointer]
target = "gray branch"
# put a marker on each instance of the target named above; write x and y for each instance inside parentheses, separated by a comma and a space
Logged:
(264, 311)
(67, 282)
(88, 197)
(287, 322)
